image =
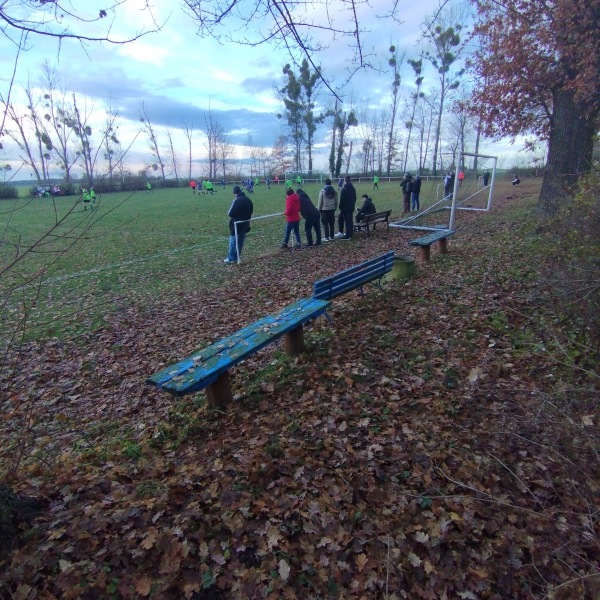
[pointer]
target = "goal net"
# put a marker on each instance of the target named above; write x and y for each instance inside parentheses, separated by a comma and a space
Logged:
(468, 188)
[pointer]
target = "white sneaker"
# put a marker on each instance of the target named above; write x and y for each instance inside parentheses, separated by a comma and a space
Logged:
(339, 235)
(227, 261)
(325, 240)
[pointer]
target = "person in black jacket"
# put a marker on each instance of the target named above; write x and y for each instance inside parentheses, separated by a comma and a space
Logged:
(241, 210)
(405, 186)
(347, 205)
(367, 208)
(415, 190)
(311, 216)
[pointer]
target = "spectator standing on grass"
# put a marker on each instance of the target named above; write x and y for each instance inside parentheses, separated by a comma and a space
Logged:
(241, 210)
(415, 191)
(292, 216)
(461, 178)
(347, 205)
(486, 178)
(311, 216)
(375, 182)
(405, 185)
(328, 203)
(367, 208)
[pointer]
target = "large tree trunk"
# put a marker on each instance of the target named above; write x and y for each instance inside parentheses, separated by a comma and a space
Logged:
(570, 149)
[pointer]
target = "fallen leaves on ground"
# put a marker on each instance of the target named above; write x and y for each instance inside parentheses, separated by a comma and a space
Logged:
(409, 453)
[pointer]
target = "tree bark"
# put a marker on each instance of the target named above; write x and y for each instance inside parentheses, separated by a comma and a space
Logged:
(570, 147)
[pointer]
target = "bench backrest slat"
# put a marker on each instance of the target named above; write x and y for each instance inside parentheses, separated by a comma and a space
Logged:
(354, 277)
(378, 216)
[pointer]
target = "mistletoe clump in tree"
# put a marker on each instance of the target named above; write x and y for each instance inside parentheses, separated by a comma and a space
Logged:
(540, 64)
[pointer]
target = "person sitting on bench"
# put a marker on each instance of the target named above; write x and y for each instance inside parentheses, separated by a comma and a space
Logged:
(367, 208)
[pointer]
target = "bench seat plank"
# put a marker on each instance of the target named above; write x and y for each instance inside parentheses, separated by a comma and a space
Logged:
(427, 240)
(204, 367)
(354, 277)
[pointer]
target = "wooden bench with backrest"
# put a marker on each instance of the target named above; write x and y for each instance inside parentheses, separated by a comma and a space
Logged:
(367, 220)
(209, 367)
(424, 243)
(354, 277)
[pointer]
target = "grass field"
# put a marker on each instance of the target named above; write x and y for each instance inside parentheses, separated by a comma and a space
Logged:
(131, 247)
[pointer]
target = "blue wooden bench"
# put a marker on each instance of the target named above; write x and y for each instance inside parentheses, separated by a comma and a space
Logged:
(354, 277)
(208, 368)
(424, 243)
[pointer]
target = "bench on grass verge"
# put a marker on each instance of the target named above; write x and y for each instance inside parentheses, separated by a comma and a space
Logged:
(354, 277)
(424, 243)
(208, 368)
(380, 217)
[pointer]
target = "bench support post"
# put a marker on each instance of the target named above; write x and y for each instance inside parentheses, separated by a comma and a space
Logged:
(219, 393)
(424, 252)
(443, 246)
(294, 341)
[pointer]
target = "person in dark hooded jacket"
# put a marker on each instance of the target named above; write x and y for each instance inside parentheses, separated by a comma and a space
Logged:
(367, 208)
(311, 216)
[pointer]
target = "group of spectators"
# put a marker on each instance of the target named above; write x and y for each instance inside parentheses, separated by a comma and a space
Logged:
(411, 191)
(298, 205)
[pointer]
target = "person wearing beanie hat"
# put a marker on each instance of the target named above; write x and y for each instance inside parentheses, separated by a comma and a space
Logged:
(241, 210)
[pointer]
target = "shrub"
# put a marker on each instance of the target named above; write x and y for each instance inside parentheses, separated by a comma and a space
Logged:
(8, 192)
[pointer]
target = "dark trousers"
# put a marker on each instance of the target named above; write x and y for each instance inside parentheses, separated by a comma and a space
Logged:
(406, 202)
(328, 220)
(348, 222)
(341, 222)
(309, 225)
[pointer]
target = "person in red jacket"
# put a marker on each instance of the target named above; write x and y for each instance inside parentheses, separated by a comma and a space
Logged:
(292, 216)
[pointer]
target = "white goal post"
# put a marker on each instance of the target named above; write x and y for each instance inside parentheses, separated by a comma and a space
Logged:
(452, 201)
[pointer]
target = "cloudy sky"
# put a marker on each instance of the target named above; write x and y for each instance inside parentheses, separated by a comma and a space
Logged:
(179, 75)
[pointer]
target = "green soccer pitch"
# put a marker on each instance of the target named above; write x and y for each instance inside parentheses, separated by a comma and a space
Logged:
(131, 247)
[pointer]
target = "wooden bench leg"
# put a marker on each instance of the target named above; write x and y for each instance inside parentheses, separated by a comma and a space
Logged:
(294, 341)
(219, 393)
(443, 246)
(424, 252)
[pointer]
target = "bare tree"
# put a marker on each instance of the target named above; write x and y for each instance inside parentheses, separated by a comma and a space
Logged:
(445, 47)
(79, 123)
(425, 116)
(287, 23)
(57, 121)
(152, 140)
(225, 152)
(188, 130)
(416, 96)
(394, 63)
(173, 155)
(33, 152)
(213, 131)
(110, 142)
(281, 160)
